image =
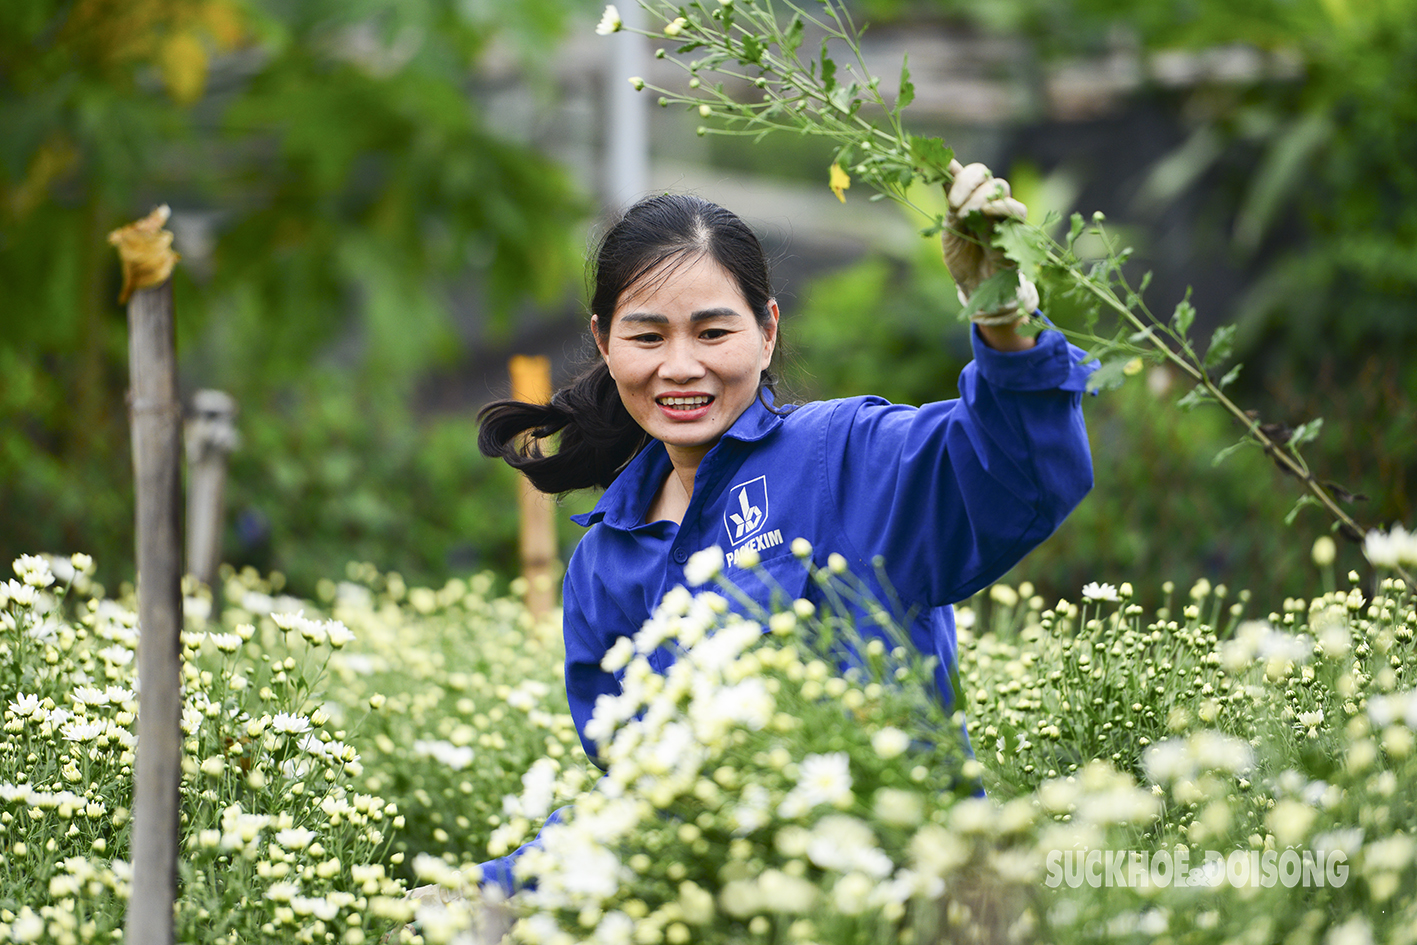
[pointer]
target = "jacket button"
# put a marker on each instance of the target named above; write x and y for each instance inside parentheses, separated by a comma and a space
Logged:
(680, 555)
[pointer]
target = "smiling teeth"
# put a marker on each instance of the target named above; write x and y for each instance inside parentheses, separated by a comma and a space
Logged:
(685, 401)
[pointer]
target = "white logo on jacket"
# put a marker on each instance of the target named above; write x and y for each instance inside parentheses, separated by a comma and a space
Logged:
(747, 508)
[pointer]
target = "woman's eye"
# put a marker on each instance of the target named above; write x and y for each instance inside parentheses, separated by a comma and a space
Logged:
(713, 334)
(648, 338)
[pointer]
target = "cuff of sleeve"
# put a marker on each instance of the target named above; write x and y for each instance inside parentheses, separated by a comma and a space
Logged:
(1051, 364)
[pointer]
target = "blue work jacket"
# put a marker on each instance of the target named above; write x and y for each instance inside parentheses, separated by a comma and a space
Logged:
(947, 496)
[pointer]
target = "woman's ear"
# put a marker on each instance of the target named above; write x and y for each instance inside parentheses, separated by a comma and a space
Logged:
(601, 342)
(771, 340)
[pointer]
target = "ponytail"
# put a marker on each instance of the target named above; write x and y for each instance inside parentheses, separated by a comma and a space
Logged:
(597, 434)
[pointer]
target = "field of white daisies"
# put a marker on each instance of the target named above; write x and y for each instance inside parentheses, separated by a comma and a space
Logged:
(1199, 773)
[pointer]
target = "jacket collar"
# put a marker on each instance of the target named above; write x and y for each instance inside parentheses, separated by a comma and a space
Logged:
(624, 502)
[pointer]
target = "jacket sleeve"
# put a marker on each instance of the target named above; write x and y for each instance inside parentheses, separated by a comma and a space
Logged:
(951, 495)
(584, 625)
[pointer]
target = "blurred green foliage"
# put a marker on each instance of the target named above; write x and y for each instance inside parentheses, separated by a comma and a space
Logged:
(334, 158)
(1317, 167)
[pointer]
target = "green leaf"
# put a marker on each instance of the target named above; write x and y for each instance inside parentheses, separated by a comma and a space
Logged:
(1110, 375)
(994, 292)
(907, 88)
(1075, 228)
(828, 69)
(1305, 433)
(1229, 377)
(1185, 314)
(931, 156)
(1023, 244)
(1226, 453)
(1222, 344)
(752, 50)
(1304, 500)
(792, 38)
(1194, 398)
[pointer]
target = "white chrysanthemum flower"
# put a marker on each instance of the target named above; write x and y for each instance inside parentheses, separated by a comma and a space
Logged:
(1100, 592)
(1393, 549)
(282, 891)
(615, 928)
(618, 656)
(82, 731)
(1217, 751)
(288, 724)
(116, 655)
(27, 927)
(844, 844)
(890, 742)
(25, 705)
(295, 838)
(1356, 931)
(538, 792)
(610, 21)
(704, 566)
(338, 634)
(1166, 761)
(753, 810)
(824, 779)
(225, 642)
(801, 549)
(898, 807)
(88, 695)
(675, 27)
(33, 570)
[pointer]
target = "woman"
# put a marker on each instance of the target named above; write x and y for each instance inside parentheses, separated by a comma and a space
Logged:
(677, 424)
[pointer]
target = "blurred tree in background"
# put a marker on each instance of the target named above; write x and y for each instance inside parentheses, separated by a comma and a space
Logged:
(347, 210)
(338, 188)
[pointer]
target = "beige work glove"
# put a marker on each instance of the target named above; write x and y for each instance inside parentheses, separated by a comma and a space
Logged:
(976, 196)
(469, 914)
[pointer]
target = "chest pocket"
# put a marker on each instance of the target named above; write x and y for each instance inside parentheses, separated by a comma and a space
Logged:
(773, 584)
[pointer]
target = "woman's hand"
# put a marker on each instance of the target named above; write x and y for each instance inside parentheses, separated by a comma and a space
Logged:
(976, 196)
(475, 918)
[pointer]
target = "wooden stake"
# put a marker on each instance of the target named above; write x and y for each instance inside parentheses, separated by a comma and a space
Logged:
(156, 418)
(531, 383)
(211, 437)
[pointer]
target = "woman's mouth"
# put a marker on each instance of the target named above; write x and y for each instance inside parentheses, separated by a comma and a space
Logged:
(684, 406)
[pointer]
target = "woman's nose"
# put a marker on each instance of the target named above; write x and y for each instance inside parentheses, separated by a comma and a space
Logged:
(681, 363)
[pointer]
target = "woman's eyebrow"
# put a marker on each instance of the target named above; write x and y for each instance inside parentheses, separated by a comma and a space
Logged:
(703, 315)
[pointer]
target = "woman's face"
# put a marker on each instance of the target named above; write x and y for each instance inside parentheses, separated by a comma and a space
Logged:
(686, 354)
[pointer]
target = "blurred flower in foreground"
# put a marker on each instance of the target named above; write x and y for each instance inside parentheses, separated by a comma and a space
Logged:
(1394, 549)
(610, 21)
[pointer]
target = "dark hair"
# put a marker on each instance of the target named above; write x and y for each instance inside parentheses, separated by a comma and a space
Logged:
(597, 434)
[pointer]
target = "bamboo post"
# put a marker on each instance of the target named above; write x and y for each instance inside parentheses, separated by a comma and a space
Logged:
(531, 383)
(145, 249)
(211, 437)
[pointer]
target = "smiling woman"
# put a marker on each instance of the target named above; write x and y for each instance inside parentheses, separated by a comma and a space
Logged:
(677, 421)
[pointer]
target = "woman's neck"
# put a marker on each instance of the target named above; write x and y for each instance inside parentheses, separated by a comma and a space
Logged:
(671, 502)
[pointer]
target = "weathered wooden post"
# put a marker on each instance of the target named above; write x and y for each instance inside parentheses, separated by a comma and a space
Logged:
(211, 438)
(531, 383)
(156, 418)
